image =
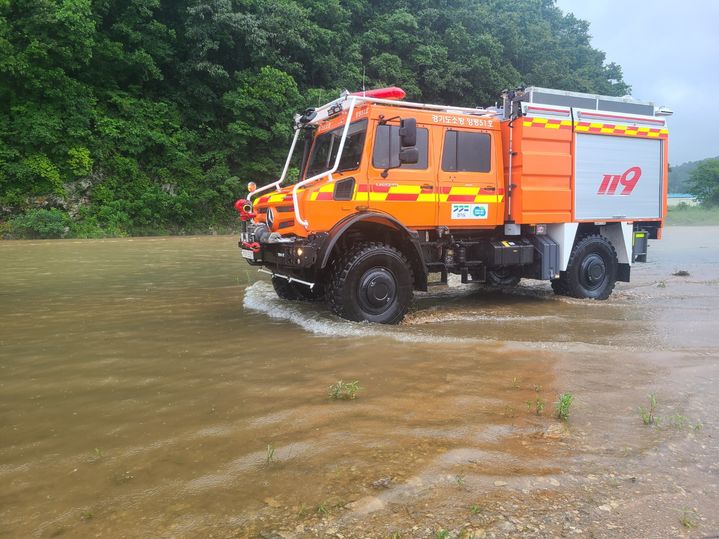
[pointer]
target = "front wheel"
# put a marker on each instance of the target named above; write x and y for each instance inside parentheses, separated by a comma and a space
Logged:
(294, 291)
(372, 282)
(284, 289)
(591, 271)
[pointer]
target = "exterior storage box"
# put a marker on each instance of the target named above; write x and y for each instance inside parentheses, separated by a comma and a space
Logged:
(509, 252)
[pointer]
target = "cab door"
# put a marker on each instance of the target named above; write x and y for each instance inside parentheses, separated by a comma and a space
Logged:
(407, 192)
(469, 191)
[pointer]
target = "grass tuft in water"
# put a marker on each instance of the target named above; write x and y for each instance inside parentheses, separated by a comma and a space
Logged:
(441, 534)
(537, 404)
(474, 509)
(321, 508)
(679, 421)
(688, 518)
(270, 454)
(344, 390)
(649, 414)
(563, 405)
(97, 455)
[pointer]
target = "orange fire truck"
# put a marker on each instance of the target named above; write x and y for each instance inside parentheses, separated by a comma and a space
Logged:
(553, 185)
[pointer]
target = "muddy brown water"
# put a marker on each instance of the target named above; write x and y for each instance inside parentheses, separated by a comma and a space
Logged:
(142, 381)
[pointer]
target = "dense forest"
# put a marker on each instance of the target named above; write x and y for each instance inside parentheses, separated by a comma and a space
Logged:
(150, 116)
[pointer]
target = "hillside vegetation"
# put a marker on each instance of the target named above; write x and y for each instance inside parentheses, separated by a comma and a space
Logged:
(679, 176)
(149, 116)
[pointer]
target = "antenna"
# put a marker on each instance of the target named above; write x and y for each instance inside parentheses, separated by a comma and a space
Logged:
(364, 73)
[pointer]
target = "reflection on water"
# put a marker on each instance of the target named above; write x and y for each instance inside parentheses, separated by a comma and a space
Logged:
(143, 380)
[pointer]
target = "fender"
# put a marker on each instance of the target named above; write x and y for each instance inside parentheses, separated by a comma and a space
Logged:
(333, 236)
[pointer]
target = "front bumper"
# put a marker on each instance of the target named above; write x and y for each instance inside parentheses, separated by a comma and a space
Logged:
(277, 253)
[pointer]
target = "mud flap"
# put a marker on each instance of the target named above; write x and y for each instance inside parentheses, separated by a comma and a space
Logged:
(623, 271)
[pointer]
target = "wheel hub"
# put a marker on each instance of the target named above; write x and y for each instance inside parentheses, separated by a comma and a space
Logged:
(593, 270)
(377, 290)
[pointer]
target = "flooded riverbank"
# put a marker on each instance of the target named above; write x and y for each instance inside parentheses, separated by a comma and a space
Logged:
(157, 387)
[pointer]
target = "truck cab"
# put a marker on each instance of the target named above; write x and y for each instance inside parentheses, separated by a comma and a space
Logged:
(391, 192)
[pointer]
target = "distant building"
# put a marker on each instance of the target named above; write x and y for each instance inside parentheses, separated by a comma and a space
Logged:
(674, 199)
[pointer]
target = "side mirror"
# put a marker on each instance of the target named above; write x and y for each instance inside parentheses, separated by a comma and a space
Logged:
(408, 132)
(409, 156)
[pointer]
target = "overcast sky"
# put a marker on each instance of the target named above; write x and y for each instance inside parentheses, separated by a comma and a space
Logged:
(669, 53)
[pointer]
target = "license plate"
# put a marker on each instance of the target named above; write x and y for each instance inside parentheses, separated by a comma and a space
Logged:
(248, 254)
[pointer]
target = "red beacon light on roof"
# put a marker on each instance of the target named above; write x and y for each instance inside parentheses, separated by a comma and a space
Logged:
(393, 92)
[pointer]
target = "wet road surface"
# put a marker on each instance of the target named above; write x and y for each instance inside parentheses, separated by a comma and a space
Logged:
(157, 387)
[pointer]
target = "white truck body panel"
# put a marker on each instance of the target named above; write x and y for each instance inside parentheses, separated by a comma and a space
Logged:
(563, 234)
(617, 177)
(620, 235)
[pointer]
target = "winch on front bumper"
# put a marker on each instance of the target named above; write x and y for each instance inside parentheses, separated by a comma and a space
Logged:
(280, 254)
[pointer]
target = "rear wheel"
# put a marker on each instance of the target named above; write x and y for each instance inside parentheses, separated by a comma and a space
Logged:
(506, 277)
(372, 282)
(591, 271)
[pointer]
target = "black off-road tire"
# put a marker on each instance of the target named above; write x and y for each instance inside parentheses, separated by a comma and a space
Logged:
(296, 291)
(592, 269)
(503, 277)
(371, 282)
(304, 293)
(284, 289)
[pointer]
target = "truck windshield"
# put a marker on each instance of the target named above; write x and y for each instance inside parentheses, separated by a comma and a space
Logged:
(324, 150)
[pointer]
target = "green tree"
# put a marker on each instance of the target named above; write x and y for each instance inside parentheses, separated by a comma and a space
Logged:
(704, 182)
(261, 109)
(148, 116)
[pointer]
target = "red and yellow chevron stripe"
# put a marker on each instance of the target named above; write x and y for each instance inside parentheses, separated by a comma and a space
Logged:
(277, 198)
(600, 128)
(628, 130)
(547, 123)
(413, 193)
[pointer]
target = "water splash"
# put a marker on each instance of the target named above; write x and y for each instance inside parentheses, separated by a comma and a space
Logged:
(422, 318)
(422, 326)
(260, 297)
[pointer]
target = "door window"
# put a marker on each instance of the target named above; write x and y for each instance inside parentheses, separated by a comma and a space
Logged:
(465, 151)
(386, 144)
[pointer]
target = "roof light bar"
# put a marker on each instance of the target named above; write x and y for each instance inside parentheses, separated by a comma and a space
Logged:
(392, 92)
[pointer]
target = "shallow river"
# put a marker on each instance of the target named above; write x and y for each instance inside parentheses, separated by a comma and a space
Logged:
(158, 388)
